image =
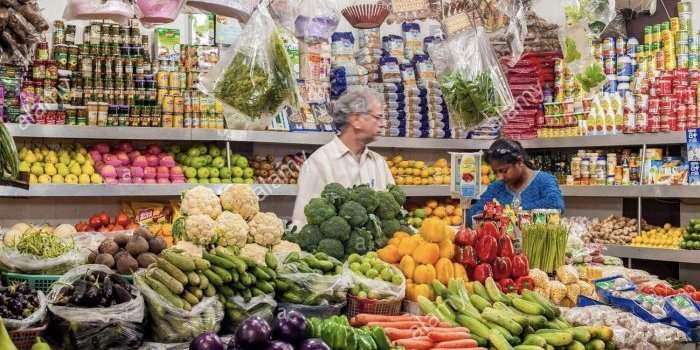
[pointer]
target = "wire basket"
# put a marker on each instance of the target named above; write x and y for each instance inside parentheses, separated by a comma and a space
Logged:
(25, 338)
(373, 306)
(37, 282)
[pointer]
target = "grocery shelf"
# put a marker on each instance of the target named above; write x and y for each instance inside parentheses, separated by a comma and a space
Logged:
(129, 190)
(97, 133)
(665, 191)
(657, 254)
(600, 191)
(607, 140)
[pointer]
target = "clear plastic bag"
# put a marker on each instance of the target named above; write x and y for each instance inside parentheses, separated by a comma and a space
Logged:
(316, 288)
(238, 9)
(115, 10)
(473, 84)
(254, 79)
(377, 289)
(152, 12)
(170, 324)
(516, 31)
(315, 21)
(38, 316)
(237, 309)
(12, 260)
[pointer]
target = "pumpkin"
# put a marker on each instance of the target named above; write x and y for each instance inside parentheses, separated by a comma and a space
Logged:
(433, 230)
(460, 272)
(444, 270)
(423, 290)
(407, 266)
(426, 253)
(409, 244)
(447, 249)
(424, 274)
(389, 254)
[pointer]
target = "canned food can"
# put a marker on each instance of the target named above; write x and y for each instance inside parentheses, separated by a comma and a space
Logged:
(187, 121)
(648, 35)
(632, 47)
(178, 120)
(692, 60)
(620, 45)
(169, 104)
(693, 40)
(682, 113)
(684, 6)
(611, 84)
(610, 65)
(609, 46)
(624, 66)
(174, 80)
(684, 19)
(656, 34)
(641, 121)
(675, 24)
(682, 61)
(178, 105)
(682, 48)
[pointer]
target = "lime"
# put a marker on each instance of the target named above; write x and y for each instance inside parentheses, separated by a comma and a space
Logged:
(682, 245)
(696, 245)
(696, 228)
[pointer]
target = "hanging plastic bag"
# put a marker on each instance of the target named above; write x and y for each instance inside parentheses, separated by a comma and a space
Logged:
(516, 31)
(316, 20)
(237, 310)
(238, 9)
(378, 289)
(115, 10)
(120, 325)
(254, 79)
(152, 12)
(308, 285)
(171, 324)
(37, 317)
(472, 82)
(284, 12)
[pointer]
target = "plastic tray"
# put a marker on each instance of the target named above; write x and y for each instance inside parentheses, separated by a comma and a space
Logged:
(584, 301)
(37, 282)
(677, 316)
(645, 315)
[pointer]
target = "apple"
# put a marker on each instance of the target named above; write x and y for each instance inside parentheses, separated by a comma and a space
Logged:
(108, 172)
(214, 151)
(176, 171)
(237, 172)
(204, 181)
(203, 173)
(218, 162)
(152, 160)
(248, 173)
(213, 172)
(192, 180)
(149, 172)
(150, 181)
(225, 173)
(174, 148)
(167, 161)
(190, 172)
(226, 181)
(123, 157)
(215, 180)
(237, 180)
(248, 181)
(242, 162)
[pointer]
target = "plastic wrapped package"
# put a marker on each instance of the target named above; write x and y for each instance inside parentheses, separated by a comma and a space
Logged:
(237, 310)
(412, 41)
(369, 38)
(408, 75)
(342, 46)
(316, 20)
(115, 10)
(13, 260)
(171, 324)
(37, 317)
(314, 288)
(238, 9)
(394, 45)
(516, 31)
(567, 274)
(539, 277)
(378, 289)
(472, 81)
(557, 291)
(152, 12)
(425, 70)
(254, 79)
(390, 70)
(120, 325)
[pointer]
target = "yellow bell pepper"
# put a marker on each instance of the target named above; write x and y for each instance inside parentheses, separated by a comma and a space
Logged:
(460, 272)
(433, 230)
(426, 253)
(423, 290)
(407, 266)
(444, 270)
(424, 274)
(389, 254)
(409, 244)
(447, 249)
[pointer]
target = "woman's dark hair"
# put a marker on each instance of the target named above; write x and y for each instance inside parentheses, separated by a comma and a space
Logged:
(508, 152)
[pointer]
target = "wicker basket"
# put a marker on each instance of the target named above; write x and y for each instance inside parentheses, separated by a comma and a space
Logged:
(373, 306)
(37, 282)
(25, 338)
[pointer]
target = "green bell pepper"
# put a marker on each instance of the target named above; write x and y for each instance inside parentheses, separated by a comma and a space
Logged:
(313, 327)
(364, 340)
(380, 338)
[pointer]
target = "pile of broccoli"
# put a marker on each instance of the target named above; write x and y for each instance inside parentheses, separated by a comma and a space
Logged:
(344, 221)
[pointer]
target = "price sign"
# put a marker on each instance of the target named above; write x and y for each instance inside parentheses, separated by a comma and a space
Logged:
(465, 181)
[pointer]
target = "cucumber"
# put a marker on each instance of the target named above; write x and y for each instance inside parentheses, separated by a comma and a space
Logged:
(269, 271)
(575, 345)
(169, 281)
(182, 262)
(227, 254)
(479, 302)
(197, 292)
(226, 291)
(474, 326)
(502, 319)
(536, 321)
(265, 286)
(225, 275)
(560, 338)
(190, 298)
(494, 293)
(536, 340)
(480, 341)
(550, 310)
(499, 342)
(595, 344)
(186, 306)
(234, 275)
(193, 278)
(512, 313)
(271, 260)
(218, 261)
(201, 264)
(246, 294)
(256, 292)
(163, 291)
(527, 307)
(210, 291)
(528, 347)
(480, 290)
(203, 281)
(282, 285)
(213, 278)
(172, 270)
(246, 279)
(260, 274)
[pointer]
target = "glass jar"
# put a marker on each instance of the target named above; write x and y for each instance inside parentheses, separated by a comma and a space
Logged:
(70, 34)
(42, 51)
(59, 34)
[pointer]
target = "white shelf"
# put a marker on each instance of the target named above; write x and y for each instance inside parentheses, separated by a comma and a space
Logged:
(600, 191)
(656, 254)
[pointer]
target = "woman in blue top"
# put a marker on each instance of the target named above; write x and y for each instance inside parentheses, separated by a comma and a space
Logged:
(519, 184)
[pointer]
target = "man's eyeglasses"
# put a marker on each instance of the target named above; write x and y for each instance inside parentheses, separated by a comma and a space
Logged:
(379, 117)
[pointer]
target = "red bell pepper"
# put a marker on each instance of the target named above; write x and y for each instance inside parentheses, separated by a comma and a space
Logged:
(524, 282)
(487, 248)
(688, 288)
(507, 285)
(505, 247)
(487, 228)
(502, 268)
(468, 257)
(482, 272)
(521, 266)
(465, 236)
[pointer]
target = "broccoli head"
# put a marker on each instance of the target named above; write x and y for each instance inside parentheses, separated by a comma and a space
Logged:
(390, 226)
(366, 196)
(360, 242)
(388, 207)
(332, 247)
(354, 213)
(398, 193)
(336, 194)
(337, 228)
(308, 237)
(318, 210)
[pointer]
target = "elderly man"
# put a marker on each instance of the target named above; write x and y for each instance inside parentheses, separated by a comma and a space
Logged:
(358, 116)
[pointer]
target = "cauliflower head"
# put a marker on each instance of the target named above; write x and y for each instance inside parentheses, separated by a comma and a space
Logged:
(231, 229)
(201, 200)
(254, 252)
(266, 229)
(200, 229)
(285, 247)
(241, 199)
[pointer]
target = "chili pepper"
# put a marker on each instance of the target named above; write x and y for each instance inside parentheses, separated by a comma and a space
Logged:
(502, 268)
(364, 340)
(313, 327)
(521, 266)
(487, 248)
(524, 282)
(505, 247)
(507, 285)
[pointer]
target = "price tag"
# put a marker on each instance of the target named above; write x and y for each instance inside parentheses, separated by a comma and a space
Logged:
(465, 181)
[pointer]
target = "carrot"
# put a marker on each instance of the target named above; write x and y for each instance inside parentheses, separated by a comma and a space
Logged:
(461, 343)
(416, 344)
(363, 319)
(440, 336)
(399, 324)
(395, 333)
(450, 330)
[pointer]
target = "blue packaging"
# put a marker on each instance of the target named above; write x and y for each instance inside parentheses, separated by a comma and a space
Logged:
(674, 306)
(584, 301)
(645, 314)
(396, 132)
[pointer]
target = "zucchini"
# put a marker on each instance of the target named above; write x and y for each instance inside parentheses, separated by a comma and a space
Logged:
(260, 274)
(193, 278)
(218, 261)
(226, 254)
(190, 298)
(210, 291)
(172, 270)
(182, 262)
(225, 275)
(169, 281)
(226, 291)
(271, 260)
(201, 264)
(197, 292)
(163, 291)
(213, 278)
(203, 281)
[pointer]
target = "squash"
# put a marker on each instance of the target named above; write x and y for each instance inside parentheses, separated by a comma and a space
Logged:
(447, 249)
(444, 270)
(407, 266)
(423, 290)
(424, 274)
(410, 290)
(401, 235)
(460, 272)
(409, 244)
(395, 241)
(433, 230)
(389, 254)
(426, 253)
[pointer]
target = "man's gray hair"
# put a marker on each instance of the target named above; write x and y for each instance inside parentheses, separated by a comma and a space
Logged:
(354, 101)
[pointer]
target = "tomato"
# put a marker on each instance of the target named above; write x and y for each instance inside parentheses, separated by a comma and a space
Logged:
(648, 290)
(695, 296)
(122, 220)
(104, 218)
(95, 222)
(117, 227)
(688, 288)
(660, 290)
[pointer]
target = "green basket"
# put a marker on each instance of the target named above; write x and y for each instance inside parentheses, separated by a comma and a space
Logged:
(37, 282)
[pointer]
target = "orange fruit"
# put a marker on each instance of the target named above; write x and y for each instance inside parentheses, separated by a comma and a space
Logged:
(428, 211)
(431, 204)
(449, 210)
(440, 212)
(455, 220)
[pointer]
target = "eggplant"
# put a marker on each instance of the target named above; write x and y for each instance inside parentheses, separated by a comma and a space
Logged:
(289, 327)
(207, 341)
(91, 297)
(79, 289)
(107, 292)
(121, 281)
(121, 295)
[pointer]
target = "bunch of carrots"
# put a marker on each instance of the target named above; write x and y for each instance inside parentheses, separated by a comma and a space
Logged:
(419, 332)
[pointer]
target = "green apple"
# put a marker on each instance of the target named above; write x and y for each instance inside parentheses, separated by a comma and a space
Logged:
(226, 180)
(214, 151)
(242, 162)
(180, 158)
(218, 162)
(199, 162)
(214, 172)
(215, 180)
(248, 173)
(203, 173)
(57, 179)
(202, 149)
(419, 213)
(237, 172)
(237, 180)
(226, 173)
(190, 172)
(192, 180)
(174, 148)
(204, 181)
(193, 152)
(208, 159)
(248, 181)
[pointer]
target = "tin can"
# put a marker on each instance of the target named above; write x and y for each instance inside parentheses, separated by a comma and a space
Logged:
(684, 19)
(675, 24)
(648, 35)
(187, 120)
(609, 46)
(168, 104)
(632, 46)
(624, 66)
(610, 65)
(692, 61)
(178, 105)
(684, 6)
(611, 84)
(196, 120)
(174, 80)
(620, 45)
(656, 33)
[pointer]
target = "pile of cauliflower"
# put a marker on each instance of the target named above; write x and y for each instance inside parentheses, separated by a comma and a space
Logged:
(233, 219)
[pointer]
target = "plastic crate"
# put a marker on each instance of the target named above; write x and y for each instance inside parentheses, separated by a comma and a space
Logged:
(38, 282)
(25, 338)
(373, 306)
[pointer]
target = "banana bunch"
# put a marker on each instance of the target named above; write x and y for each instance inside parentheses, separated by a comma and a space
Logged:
(510, 321)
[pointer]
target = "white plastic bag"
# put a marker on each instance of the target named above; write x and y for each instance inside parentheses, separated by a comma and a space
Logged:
(254, 79)
(315, 288)
(12, 260)
(238, 9)
(237, 309)
(115, 10)
(516, 32)
(170, 324)
(38, 316)
(151, 12)
(378, 289)
(315, 20)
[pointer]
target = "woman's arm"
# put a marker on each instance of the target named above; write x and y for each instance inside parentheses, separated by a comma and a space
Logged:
(550, 196)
